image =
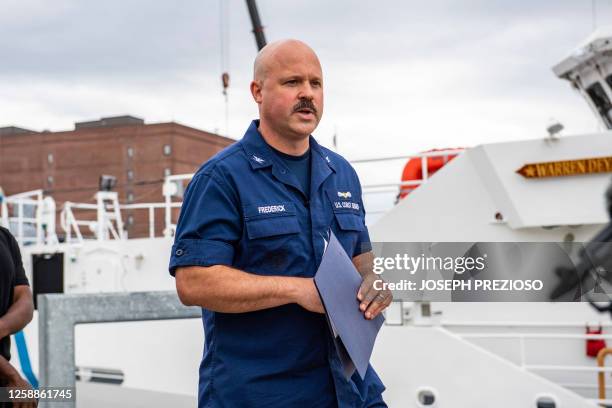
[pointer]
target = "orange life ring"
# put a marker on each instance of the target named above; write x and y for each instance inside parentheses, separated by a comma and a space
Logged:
(413, 170)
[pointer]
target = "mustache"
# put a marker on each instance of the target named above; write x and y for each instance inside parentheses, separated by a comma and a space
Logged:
(304, 104)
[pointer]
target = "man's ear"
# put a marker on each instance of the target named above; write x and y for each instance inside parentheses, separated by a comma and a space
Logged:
(256, 90)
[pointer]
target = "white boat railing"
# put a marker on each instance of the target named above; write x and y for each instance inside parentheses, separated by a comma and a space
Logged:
(522, 338)
(173, 186)
(383, 196)
(30, 216)
(105, 221)
(423, 155)
(72, 225)
(412, 184)
(151, 207)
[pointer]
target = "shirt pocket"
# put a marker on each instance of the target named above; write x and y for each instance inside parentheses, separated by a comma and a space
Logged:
(349, 222)
(269, 220)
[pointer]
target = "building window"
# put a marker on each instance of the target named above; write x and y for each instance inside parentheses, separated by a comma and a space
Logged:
(50, 158)
(167, 172)
(130, 175)
(167, 150)
(130, 220)
(130, 151)
(50, 179)
(130, 197)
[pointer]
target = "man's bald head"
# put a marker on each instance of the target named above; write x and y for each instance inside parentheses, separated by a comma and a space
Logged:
(288, 89)
(273, 53)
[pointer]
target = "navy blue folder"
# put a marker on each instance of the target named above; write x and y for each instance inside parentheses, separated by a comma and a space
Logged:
(338, 281)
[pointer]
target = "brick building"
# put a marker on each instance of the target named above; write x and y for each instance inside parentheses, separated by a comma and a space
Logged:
(68, 164)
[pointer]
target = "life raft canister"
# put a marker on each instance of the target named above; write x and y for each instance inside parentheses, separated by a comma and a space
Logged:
(413, 170)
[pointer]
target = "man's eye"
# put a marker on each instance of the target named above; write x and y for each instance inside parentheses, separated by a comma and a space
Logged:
(291, 82)
(316, 83)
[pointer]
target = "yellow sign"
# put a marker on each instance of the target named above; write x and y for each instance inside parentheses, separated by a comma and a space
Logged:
(567, 168)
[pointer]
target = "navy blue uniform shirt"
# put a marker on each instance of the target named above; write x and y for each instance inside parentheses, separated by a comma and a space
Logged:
(243, 208)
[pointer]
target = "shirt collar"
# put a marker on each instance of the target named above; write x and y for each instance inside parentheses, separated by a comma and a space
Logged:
(260, 155)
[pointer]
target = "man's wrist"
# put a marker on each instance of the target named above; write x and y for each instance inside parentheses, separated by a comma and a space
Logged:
(293, 289)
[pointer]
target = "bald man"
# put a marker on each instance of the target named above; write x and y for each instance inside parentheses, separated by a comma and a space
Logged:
(249, 239)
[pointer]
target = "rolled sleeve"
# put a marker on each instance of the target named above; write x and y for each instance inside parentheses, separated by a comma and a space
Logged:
(200, 252)
(363, 243)
(209, 225)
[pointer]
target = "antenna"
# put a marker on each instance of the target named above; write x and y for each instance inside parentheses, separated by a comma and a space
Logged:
(224, 40)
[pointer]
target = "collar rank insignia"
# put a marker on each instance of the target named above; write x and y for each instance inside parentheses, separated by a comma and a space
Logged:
(258, 159)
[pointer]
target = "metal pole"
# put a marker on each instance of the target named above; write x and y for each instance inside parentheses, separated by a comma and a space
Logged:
(167, 207)
(151, 223)
(260, 38)
(601, 376)
(38, 216)
(101, 227)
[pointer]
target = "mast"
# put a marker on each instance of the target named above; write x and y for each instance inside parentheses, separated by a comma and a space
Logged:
(260, 38)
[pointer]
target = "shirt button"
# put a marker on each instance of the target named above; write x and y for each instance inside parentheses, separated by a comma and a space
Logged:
(283, 171)
(179, 252)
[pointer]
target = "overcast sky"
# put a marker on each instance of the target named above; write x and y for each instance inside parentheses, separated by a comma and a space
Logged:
(400, 76)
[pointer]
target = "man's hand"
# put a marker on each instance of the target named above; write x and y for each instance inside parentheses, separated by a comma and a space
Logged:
(18, 383)
(373, 301)
(308, 296)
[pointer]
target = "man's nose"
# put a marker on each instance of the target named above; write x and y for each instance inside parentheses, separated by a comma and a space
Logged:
(306, 92)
